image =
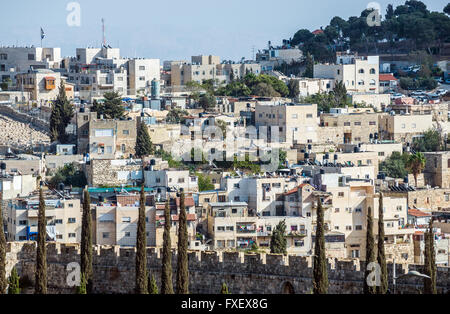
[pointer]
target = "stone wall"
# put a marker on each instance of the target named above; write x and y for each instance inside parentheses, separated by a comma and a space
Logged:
(114, 271)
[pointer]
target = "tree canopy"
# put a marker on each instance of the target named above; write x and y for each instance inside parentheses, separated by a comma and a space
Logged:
(111, 107)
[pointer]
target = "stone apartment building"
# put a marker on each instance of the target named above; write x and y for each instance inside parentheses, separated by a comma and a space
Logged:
(358, 73)
(42, 85)
(357, 128)
(63, 216)
(114, 172)
(296, 123)
(105, 138)
(437, 169)
(24, 164)
(348, 214)
(209, 68)
(404, 128)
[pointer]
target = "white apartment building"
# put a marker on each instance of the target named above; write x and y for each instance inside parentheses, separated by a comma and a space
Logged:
(14, 60)
(173, 179)
(141, 72)
(359, 74)
(13, 185)
(41, 84)
(310, 86)
(262, 194)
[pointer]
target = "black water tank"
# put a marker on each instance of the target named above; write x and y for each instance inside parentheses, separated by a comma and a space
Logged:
(371, 136)
(306, 156)
(142, 114)
(375, 136)
(3, 166)
(309, 146)
(152, 162)
(326, 156)
(405, 179)
(158, 190)
(181, 190)
(335, 157)
(82, 109)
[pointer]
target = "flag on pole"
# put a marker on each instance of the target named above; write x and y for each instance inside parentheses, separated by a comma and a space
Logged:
(42, 34)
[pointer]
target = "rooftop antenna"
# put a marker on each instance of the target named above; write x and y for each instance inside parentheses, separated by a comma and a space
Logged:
(103, 32)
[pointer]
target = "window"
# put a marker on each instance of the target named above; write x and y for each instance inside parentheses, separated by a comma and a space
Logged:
(346, 123)
(234, 210)
(236, 185)
(357, 123)
(294, 116)
(403, 125)
(341, 194)
(105, 235)
(348, 228)
(22, 222)
(141, 68)
(336, 210)
(126, 219)
(373, 82)
(72, 235)
(336, 227)
(358, 227)
(355, 253)
(58, 221)
(237, 199)
(3, 56)
(180, 180)
(230, 228)
(72, 220)
(372, 71)
(399, 208)
(309, 115)
(358, 210)
(30, 56)
(361, 71)
(142, 78)
(126, 132)
(221, 228)
(414, 126)
(361, 82)
(380, 153)
(206, 200)
(127, 234)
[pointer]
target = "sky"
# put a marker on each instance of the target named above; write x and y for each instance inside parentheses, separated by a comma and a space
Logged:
(173, 29)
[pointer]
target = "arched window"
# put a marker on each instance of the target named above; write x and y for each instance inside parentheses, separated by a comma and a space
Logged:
(373, 82)
(372, 71)
(361, 82)
(287, 288)
(361, 71)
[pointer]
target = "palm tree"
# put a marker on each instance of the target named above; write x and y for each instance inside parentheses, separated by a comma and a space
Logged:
(415, 164)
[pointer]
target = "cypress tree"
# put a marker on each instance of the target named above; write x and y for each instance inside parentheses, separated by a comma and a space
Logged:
(3, 282)
(14, 286)
(62, 113)
(224, 289)
(381, 257)
(152, 286)
(141, 249)
(430, 261)
(82, 288)
(320, 283)
(86, 242)
(182, 261)
(278, 239)
(41, 254)
(144, 146)
(370, 252)
(166, 273)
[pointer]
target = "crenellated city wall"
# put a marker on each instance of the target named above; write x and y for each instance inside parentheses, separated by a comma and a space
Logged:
(114, 271)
